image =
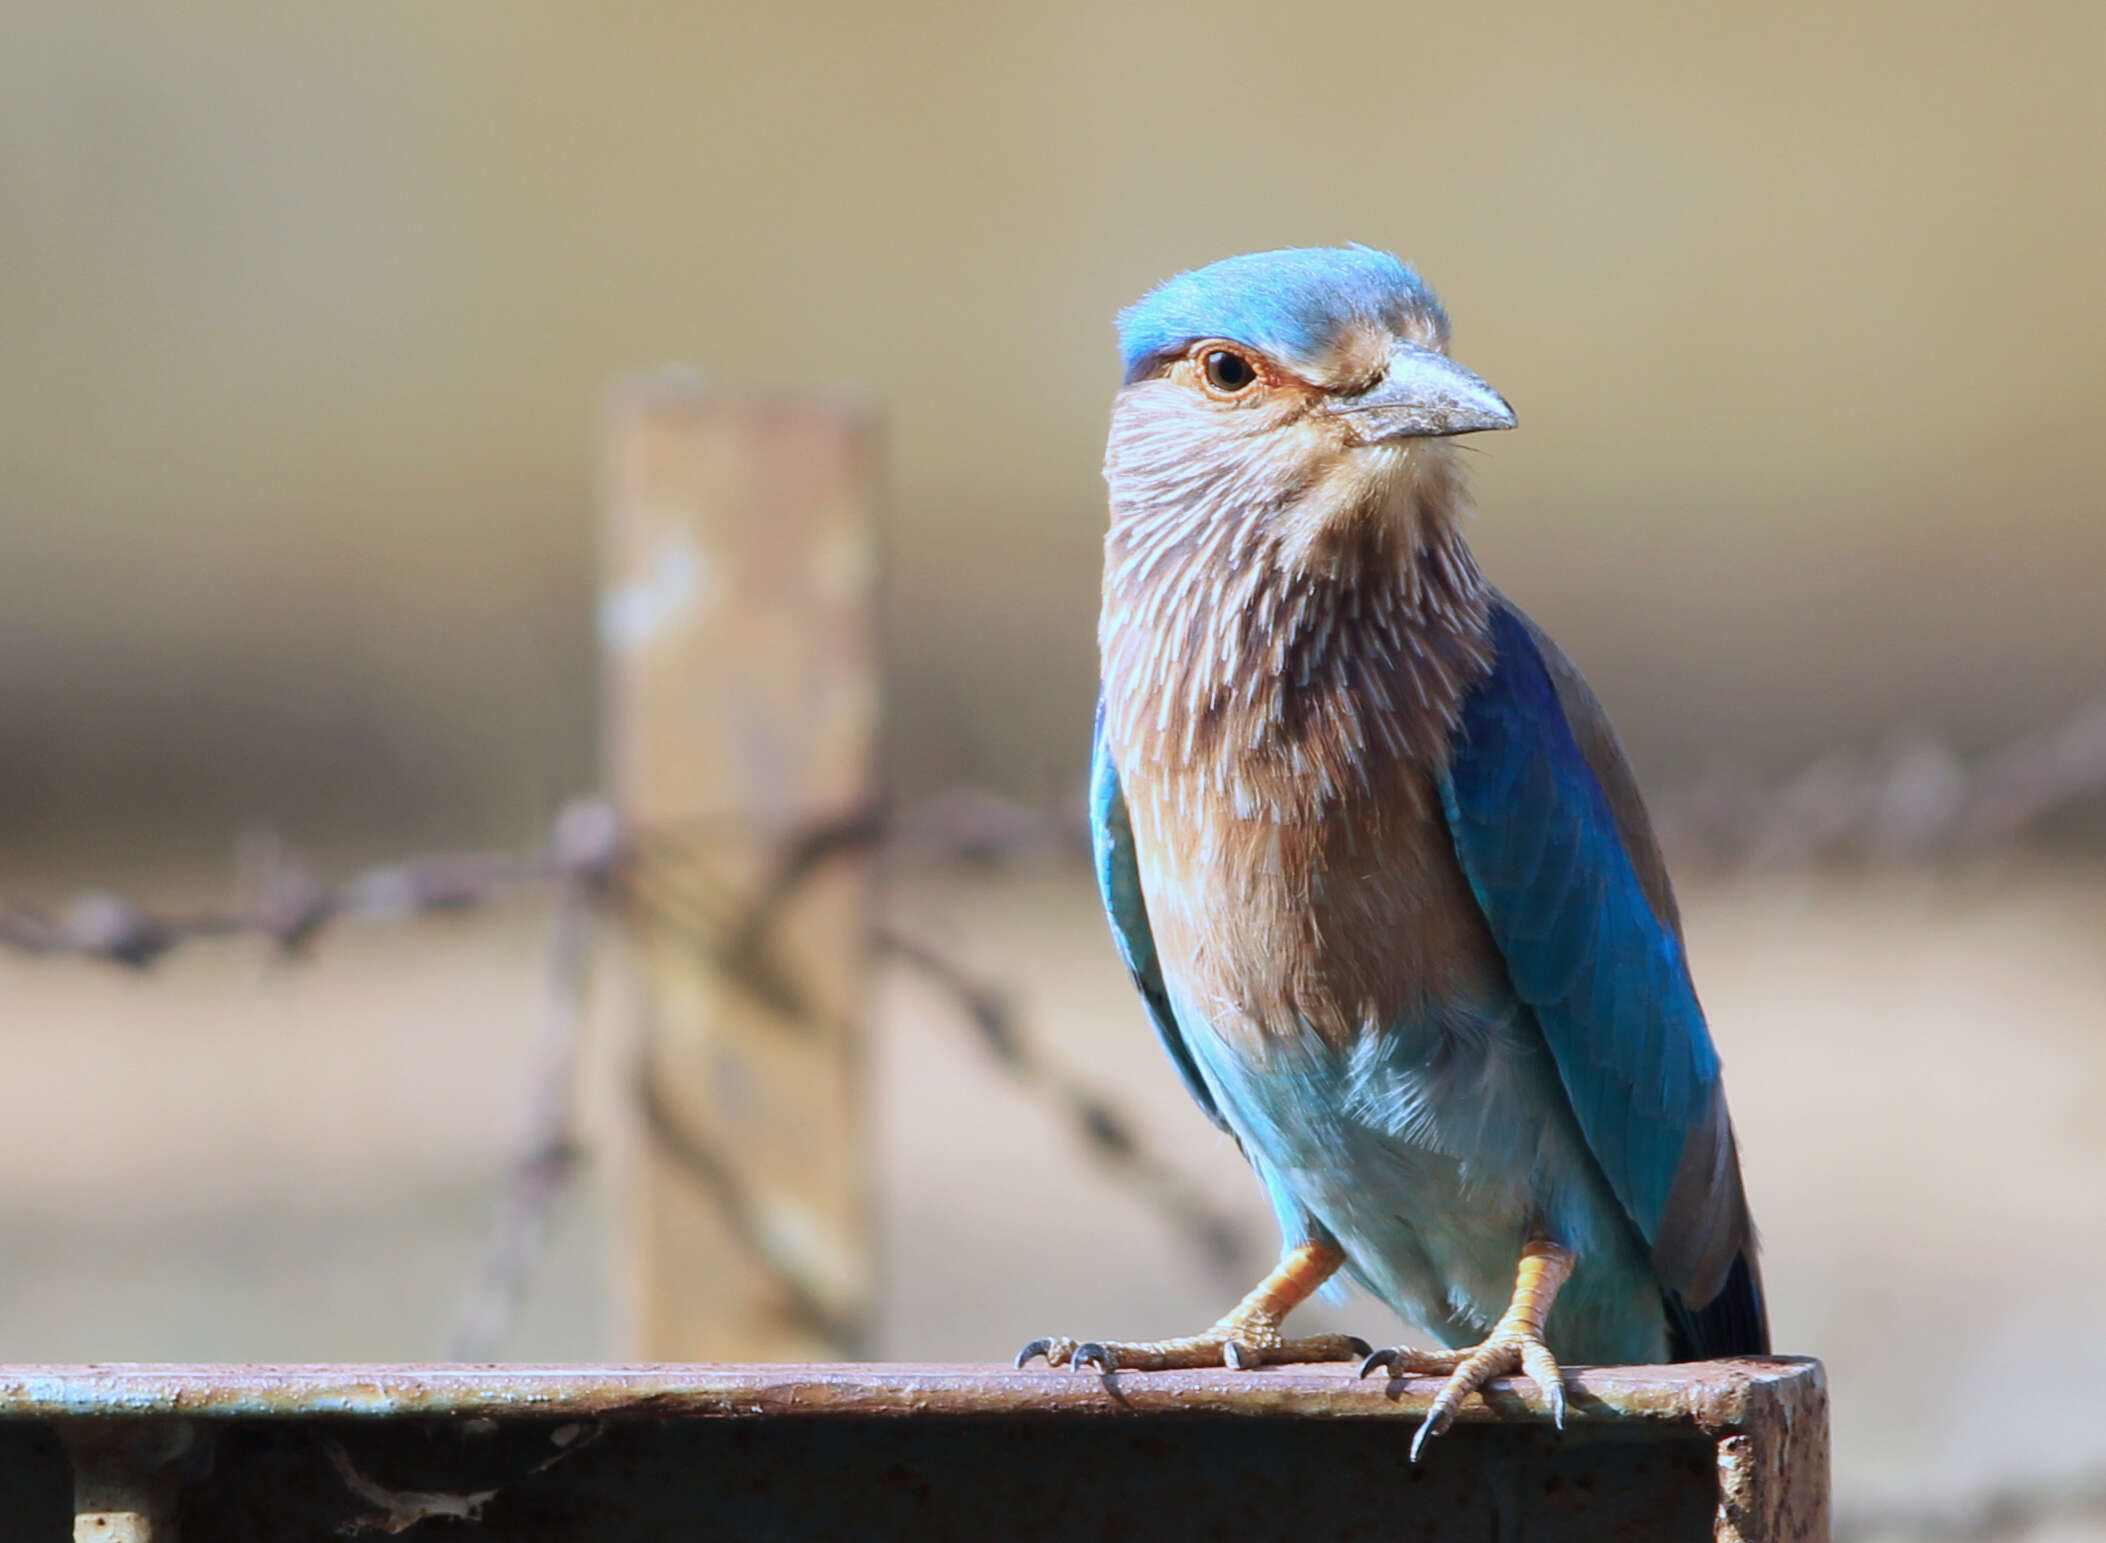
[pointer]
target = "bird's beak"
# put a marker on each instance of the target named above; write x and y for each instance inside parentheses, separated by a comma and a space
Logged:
(1424, 395)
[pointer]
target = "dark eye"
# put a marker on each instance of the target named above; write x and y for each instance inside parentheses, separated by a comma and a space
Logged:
(1227, 371)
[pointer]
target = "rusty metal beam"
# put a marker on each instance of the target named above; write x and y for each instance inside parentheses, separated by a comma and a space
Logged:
(1730, 1450)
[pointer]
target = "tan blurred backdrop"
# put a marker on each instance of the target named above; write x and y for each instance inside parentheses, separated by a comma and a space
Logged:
(307, 308)
(305, 315)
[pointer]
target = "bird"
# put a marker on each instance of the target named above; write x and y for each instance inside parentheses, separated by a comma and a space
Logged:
(1379, 867)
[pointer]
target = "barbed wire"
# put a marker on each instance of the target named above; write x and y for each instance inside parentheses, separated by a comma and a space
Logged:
(289, 907)
(596, 868)
(550, 1151)
(1218, 1238)
(1913, 799)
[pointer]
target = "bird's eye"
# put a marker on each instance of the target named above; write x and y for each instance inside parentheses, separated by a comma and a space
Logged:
(1226, 371)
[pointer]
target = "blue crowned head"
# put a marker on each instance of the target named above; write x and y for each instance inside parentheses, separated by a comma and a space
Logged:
(1298, 390)
(1298, 305)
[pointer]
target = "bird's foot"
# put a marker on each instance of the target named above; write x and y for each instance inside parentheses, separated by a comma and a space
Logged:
(1248, 1335)
(1238, 1346)
(1506, 1351)
(1514, 1345)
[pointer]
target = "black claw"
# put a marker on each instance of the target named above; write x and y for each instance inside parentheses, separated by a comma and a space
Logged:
(1377, 1359)
(1360, 1347)
(1036, 1347)
(1093, 1354)
(1557, 1404)
(1235, 1357)
(1433, 1427)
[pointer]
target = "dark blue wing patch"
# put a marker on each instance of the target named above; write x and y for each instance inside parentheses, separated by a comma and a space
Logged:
(1119, 882)
(1602, 971)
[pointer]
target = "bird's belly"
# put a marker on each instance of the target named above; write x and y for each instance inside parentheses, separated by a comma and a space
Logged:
(1431, 1149)
(1344, 1000)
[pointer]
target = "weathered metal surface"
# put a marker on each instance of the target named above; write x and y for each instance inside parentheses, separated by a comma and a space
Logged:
(1773, 1475)
(1732, 1450)
(1713, 1396)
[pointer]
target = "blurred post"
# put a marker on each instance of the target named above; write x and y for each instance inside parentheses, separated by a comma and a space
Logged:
(739, 638)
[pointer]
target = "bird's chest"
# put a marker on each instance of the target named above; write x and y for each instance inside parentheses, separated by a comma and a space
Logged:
(1328, 918)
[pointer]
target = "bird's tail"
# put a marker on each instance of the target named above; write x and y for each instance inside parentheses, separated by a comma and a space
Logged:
(1734, 1322)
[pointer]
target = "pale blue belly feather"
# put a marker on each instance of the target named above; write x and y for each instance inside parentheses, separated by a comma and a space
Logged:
(1428, 1151)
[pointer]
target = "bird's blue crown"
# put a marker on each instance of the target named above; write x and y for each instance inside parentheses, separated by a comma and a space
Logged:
(1292, 304)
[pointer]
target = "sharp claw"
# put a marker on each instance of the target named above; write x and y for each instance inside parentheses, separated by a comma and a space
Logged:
(1436, 1422)
(1092, 1354)
(1557, 1403)
(1360, 1348)
(1379, 1358)
(1035, 1348)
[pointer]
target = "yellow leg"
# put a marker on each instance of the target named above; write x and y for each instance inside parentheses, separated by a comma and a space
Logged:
(1514, 1345)
(1247, 1335)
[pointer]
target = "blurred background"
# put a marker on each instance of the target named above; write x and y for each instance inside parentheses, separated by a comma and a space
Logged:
(308, 311)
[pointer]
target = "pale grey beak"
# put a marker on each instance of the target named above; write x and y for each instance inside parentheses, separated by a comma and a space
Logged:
(1424, 395)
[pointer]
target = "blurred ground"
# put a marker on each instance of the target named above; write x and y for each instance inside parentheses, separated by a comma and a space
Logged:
(221, 1161)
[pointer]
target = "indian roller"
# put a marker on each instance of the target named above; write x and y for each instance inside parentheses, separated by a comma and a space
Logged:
(1378, 866)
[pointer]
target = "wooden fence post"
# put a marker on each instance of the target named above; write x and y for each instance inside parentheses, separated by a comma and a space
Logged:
(739, 637)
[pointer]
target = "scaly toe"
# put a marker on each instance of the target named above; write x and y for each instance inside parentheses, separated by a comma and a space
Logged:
(1404, 1361)
(1307, 1351)
(1543, 1370)
(1500, 1356)
(1237, 1346)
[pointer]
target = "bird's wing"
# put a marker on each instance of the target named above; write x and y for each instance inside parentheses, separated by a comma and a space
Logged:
(1555, 842)
(1119, 882)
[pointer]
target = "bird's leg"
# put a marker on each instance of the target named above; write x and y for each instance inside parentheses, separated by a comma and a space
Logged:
(1514, 1345)
(1248, 1335)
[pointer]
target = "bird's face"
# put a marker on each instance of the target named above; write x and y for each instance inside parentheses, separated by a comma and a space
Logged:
(1297, 392)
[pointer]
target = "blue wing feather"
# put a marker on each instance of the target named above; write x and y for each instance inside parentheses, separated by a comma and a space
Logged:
(1119, 883)
(1593, 948)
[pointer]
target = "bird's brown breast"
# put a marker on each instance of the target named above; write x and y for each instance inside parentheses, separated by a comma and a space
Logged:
(1328, 920)
(1278, 731)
